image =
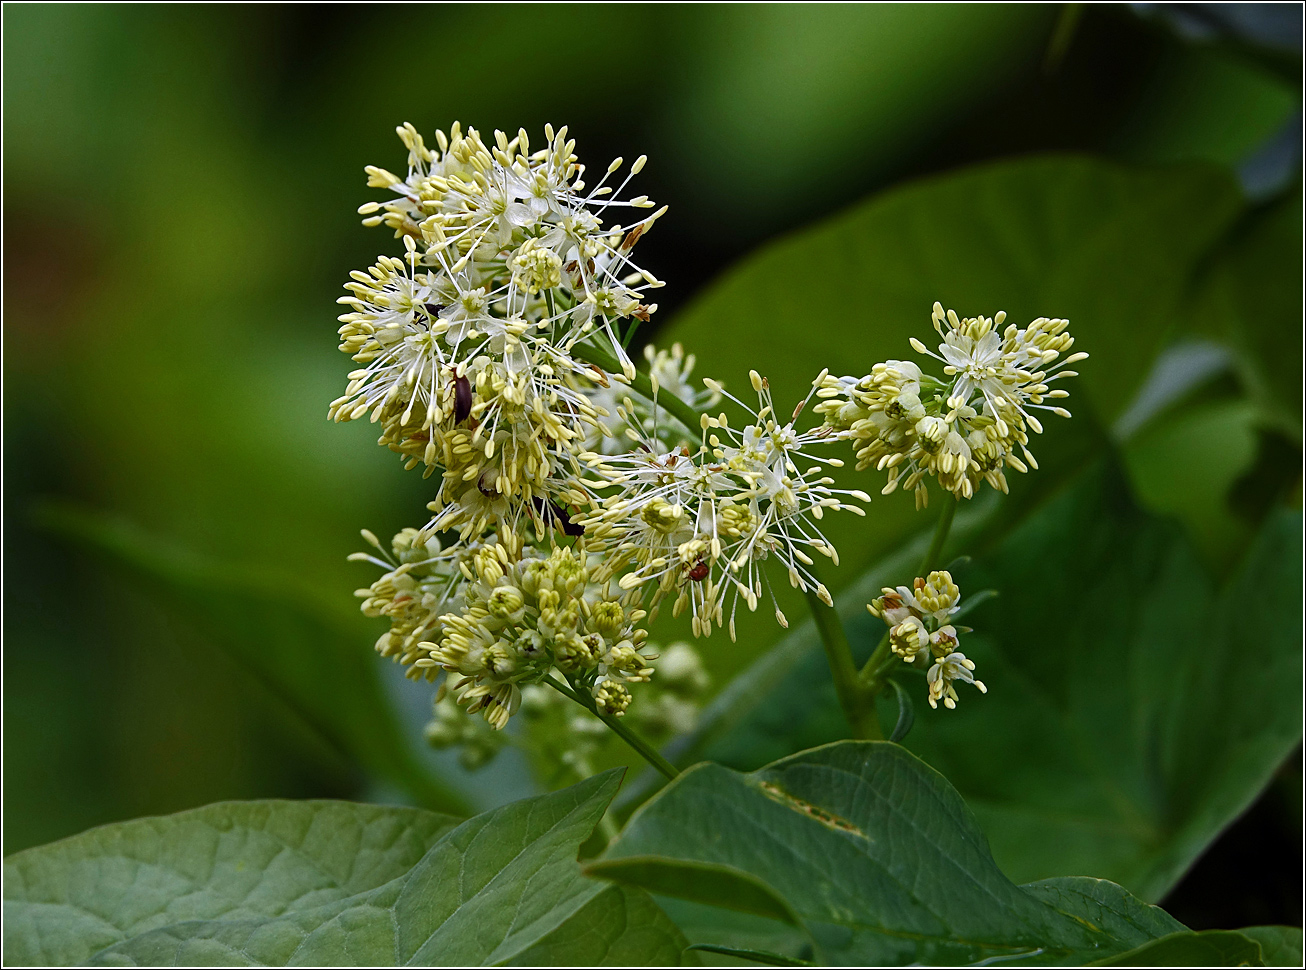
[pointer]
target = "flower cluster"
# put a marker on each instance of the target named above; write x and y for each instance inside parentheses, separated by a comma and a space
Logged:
(470, 346)
(575, 495)
(422, 582)
(919, 631)
(967, 427)
(700, 523)
(524, 616)
(564, 739)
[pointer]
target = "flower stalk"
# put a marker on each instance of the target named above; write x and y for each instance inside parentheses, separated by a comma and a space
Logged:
(642, 747)
(857, 702)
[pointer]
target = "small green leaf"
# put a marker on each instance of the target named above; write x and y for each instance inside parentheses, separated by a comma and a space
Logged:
(876, 855)
(906, 712)
(1107, 906)
(1209, 948)
(284, 883)
(1281, 946)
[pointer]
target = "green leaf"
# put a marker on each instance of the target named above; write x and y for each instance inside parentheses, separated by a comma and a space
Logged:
(1281, 946)
(232, 861)
(309, 651)
(620, 927)
(1107, 906)
(873, 851)
(1114, 249)
(1131, 712)
(906, 712)
(1186, 464)
(1250, 300)
(1209, 948)
(280, 883)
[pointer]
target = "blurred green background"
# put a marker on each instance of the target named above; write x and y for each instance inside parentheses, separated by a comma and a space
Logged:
(180, 193)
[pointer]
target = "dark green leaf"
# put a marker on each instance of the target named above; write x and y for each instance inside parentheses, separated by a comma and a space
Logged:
(279, 883)
(1209, 948)
(1107, 906)
(1250, 300)
(874, 852)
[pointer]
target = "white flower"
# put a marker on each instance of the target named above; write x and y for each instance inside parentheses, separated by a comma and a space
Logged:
(945, 671)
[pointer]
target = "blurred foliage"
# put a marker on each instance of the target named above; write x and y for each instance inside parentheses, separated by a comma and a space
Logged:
(180, 186)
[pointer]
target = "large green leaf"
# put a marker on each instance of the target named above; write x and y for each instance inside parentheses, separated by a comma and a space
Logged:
(875, 855)
(311, 652)
(1132, 711)
(284, 883)
(1113, 249)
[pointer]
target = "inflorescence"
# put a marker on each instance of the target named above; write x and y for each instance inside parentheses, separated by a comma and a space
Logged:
(570, 506)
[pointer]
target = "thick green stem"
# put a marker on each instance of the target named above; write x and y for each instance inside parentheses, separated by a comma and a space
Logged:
(673, 405)
(642, 747)
(858, 705)
(872, 678)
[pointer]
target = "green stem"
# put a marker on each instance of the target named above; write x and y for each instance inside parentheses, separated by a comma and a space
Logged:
(941, 531)
(858, 706)
(686, 415)
(872, 674)
(642, 747)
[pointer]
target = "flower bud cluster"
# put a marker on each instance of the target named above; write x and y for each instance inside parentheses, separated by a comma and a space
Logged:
(966, 427)
(919, 630)
(565, 740)
(525, 616)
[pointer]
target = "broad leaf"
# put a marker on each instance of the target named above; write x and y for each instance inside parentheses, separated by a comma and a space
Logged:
(1132, 713)
(282, 883)
(874, 853)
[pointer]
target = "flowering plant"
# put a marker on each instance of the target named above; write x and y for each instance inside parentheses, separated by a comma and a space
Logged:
(585, 488)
